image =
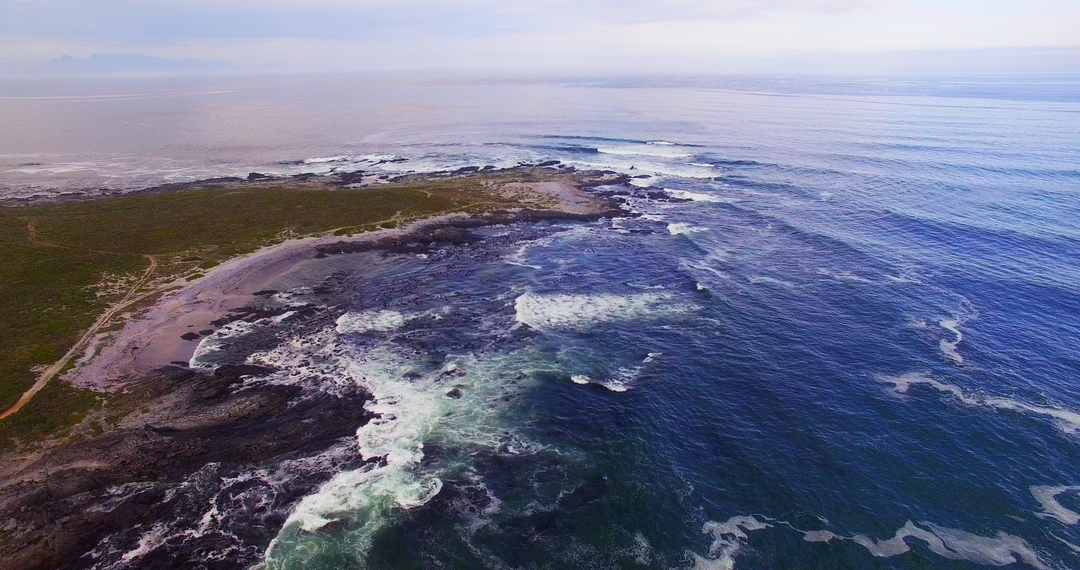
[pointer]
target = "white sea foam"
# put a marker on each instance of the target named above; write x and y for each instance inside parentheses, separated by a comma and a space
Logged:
(635, 165)
(680, 229)
(367, 321)
(582, 311)
(326, 159)
(948, 348)
(518, 257)
(648, 150)
(214, 342)
(615, 385)
(1047, 497)
(728, 537)
(1000, 550)
(819, 536)
(903, 278)
(651, 357)
(694, 196)
(1066, 420)
(152, 539)
(413, 408)
(763, 279)
(380, 157)
(843, 276)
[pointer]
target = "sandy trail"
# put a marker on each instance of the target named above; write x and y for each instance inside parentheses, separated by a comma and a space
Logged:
(129, 299)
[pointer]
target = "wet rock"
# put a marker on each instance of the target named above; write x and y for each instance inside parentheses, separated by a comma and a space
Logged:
(179, 423)
(455, 394)
(190, 336)
(240, 370)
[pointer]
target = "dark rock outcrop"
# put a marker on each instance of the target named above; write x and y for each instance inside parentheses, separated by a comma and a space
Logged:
(169, 426)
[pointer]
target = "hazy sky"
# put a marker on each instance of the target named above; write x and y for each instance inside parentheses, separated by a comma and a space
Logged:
(616, 35)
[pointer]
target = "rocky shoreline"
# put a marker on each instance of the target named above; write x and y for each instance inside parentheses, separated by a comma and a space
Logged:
(166, 426)
(60, 506)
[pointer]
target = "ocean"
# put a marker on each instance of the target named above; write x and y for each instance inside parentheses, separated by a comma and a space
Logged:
(840, 328)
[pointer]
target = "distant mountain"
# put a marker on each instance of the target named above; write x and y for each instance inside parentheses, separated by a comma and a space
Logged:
(131, 64)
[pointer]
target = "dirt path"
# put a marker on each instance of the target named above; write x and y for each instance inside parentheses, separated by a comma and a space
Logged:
(130, 298)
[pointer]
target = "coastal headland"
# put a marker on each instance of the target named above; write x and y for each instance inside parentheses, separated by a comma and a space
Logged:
(108, 299)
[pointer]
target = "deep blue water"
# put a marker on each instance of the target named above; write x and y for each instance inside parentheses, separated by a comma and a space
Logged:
(858, 346)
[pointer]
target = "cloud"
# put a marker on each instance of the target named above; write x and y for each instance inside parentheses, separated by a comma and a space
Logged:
(549, 35)
(167, 20)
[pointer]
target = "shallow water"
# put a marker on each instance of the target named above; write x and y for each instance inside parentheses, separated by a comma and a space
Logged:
(854, 346)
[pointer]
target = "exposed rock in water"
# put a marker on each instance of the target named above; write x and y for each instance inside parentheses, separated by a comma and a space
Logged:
(170, 427)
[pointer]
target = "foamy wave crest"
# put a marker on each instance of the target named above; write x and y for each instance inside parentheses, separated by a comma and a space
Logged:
(582, 311)
(202, 358)
(406, 412)
(326, 159)
(613, 385)
(1047, 497)
(694, 196)
(457, 406)
(680, 229)
(667, 151)
(1066, 420)
(367, 321)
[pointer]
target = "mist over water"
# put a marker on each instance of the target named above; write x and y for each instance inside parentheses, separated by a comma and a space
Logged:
(849, 341)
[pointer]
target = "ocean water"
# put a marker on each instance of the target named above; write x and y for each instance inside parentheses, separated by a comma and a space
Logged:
(854, 342)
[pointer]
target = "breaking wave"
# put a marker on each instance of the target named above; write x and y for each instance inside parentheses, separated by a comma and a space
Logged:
(582, 311)
(456, 406)
(694, 196)
(366, 321)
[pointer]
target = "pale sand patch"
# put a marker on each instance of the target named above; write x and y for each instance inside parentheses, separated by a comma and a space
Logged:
(559, 195)
(152, 339)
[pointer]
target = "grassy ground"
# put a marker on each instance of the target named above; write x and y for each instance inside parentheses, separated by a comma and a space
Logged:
(65, 263)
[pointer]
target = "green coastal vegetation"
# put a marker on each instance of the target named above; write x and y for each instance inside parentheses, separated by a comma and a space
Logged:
(65, 263)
